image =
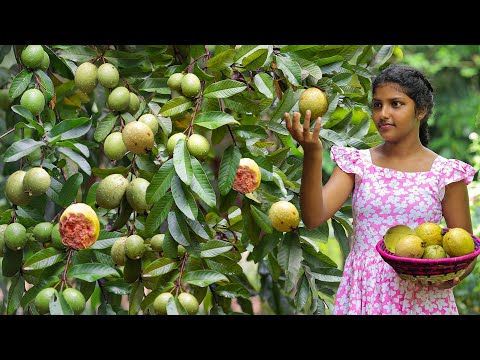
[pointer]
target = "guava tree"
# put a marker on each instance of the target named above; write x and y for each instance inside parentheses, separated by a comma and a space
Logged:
(154, 140)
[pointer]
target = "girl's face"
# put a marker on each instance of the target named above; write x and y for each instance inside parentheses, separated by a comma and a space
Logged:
(394, 113)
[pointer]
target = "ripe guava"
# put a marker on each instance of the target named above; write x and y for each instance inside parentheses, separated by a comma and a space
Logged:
(86, 77)
(394, 234)
(198, 146)
(107, 75)
(79, 226)
(458, 242)
(284, 216)
(315, 100)
(33, 100)
(248, 176)
(111, 190)
(411, 246)
(138, 137)
(430, 232)
(434, 252)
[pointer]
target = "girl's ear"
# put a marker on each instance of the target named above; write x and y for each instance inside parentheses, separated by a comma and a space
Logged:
(421, 114)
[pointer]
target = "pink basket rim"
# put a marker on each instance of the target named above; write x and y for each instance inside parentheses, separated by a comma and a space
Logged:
(430, 261)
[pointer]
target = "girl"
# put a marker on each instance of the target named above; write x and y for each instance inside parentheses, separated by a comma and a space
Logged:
(399, 181)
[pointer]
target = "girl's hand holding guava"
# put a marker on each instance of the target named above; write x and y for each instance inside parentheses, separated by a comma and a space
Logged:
(309, 140)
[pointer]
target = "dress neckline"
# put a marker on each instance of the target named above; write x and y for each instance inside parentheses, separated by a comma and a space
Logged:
(369, 156)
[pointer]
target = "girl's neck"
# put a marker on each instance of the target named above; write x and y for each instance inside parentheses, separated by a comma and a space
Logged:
(401, 150)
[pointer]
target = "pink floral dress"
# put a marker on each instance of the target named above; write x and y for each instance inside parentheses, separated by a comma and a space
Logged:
(383, 198)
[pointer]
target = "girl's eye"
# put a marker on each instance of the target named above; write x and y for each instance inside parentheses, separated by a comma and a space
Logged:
(377, 105)
(397, 103)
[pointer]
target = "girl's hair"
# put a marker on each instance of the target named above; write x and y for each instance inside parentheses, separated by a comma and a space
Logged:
(415, 85)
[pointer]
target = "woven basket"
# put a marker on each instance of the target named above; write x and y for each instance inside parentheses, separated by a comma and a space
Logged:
(428, 271)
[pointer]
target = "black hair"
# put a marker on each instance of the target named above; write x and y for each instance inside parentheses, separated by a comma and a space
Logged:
(415, 85)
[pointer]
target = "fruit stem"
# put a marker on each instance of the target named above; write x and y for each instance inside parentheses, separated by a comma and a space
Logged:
(64, 275)
(8, 132)
(15, 52)
(182, 268)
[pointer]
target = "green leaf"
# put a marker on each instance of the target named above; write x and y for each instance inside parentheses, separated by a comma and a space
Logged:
(70, 189)
(105, 126)
(170, 246)
(333, 137)
(156, 85)
(46, 85)
(20, 83)
(265, 246)
(310, 69)
(71, 128)
(232, 291)
(104, 172)
(203, 278)
(340, 234)
(84, 165)
(135, 298)
(77, 53)
(301, 296)
(223, 89)
(326, 278)
(27, 115)
(200, 184)
(20, 149)
(214, 248)
(261, 219)
(44, 258)
(214, 119)
(344, 220)
(291, 70)
(221, 61)
(160, 267)
(290, 258)
(59, 306)
(160, 182)
(106, 239)
(182, 162)
(184, 199)
(202, 75)
(228, 168)
(201, 230)
(175, 106)
(75, 146)
(124, 214)
(158, 213)
(178, 229)
(288, 101)
(264, 84)
(255, 59)
(91, 271)
(15, 292)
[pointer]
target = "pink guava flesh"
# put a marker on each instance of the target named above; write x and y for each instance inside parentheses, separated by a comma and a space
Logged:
(77, 231)
(246, 180)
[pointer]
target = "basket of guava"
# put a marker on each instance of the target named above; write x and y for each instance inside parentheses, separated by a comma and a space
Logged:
(428, 254)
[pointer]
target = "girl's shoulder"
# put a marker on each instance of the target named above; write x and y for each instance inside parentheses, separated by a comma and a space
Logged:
(349, 159)
(453, 170)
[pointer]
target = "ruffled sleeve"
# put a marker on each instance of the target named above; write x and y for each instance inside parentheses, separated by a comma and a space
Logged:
(348, 159)
(456, 170)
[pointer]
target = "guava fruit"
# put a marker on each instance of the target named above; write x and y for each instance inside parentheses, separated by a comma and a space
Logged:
(160, 303)
(111, 190)
(15, 236)
(5, 99)
(79, 226)
(43, 231)
(315, 100)
(248, 176)
(42, 300)
(156, 242)
(75, 299)
(86, 77)
(134, 103)
(45, 62)
(32, 56)
(198, 146)
(36, 181)
(136, 194)
(434, 252)
(394, 234)
(134, 247)
(430, 232)
(33, 100)
(107, 75)
(114, 147)
(57, 238)
(174, 82)
(284, 216)
(172, 140)
(2, 239)
(118, 251)
(458, 242)
(151, 121)
(411, 246)
(14, 189)
(132, 270)
(119, 99)
(190, 85)
(138, 137)
(189, 302)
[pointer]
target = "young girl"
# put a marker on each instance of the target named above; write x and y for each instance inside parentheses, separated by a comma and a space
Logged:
(399, 181)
